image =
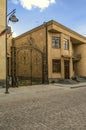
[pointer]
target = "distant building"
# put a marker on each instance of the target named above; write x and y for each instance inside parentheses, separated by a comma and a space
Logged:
(48, 53)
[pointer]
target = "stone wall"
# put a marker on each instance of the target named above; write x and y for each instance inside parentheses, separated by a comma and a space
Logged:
(2, 43)
(29, 54)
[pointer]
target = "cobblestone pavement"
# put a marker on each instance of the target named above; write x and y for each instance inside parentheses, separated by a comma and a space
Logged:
(41, 107)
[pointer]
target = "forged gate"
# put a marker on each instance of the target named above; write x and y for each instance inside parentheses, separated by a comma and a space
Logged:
(27, 65)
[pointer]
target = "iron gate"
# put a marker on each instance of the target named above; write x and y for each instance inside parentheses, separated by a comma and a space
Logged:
(27, 65)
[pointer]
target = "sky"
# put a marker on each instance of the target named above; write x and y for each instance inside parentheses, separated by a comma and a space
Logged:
(32, 13)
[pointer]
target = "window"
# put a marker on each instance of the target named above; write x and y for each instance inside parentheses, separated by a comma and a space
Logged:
(56, 42)
(56, 66)
(66, 44)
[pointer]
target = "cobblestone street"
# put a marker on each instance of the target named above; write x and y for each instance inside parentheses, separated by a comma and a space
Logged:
(42, 107)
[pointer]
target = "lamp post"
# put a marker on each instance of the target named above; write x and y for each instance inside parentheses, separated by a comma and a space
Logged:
(11, 18)
(46, 44)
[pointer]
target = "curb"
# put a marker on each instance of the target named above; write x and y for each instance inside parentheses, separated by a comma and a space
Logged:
(78, 86)
(71, 85)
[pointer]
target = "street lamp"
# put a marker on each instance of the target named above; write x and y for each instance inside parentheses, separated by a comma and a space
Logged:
(11, 18)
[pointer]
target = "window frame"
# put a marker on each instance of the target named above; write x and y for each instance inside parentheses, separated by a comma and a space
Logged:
(56, 42)
(66, 44)
(56, 65)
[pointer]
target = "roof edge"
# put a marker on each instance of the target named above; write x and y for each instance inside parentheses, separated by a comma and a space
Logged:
(48, 23)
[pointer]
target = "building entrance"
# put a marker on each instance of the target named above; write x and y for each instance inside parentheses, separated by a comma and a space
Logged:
(66, 69)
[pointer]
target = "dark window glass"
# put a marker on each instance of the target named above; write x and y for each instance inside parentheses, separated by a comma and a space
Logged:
(56, 66)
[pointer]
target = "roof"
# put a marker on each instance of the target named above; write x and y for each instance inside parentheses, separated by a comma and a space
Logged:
(51, 22)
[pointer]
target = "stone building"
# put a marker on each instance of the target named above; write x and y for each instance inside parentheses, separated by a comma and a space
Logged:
(2, 42)
(48, 53)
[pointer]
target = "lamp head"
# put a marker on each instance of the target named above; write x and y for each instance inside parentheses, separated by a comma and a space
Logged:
(13, 18)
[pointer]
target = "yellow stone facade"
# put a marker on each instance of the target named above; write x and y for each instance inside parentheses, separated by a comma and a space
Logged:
(74, 57)
(31, 54)
(2, 42)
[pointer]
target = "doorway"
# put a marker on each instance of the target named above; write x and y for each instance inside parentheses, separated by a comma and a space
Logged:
(66, 69)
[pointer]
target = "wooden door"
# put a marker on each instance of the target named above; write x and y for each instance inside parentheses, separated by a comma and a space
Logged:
(66, 69)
